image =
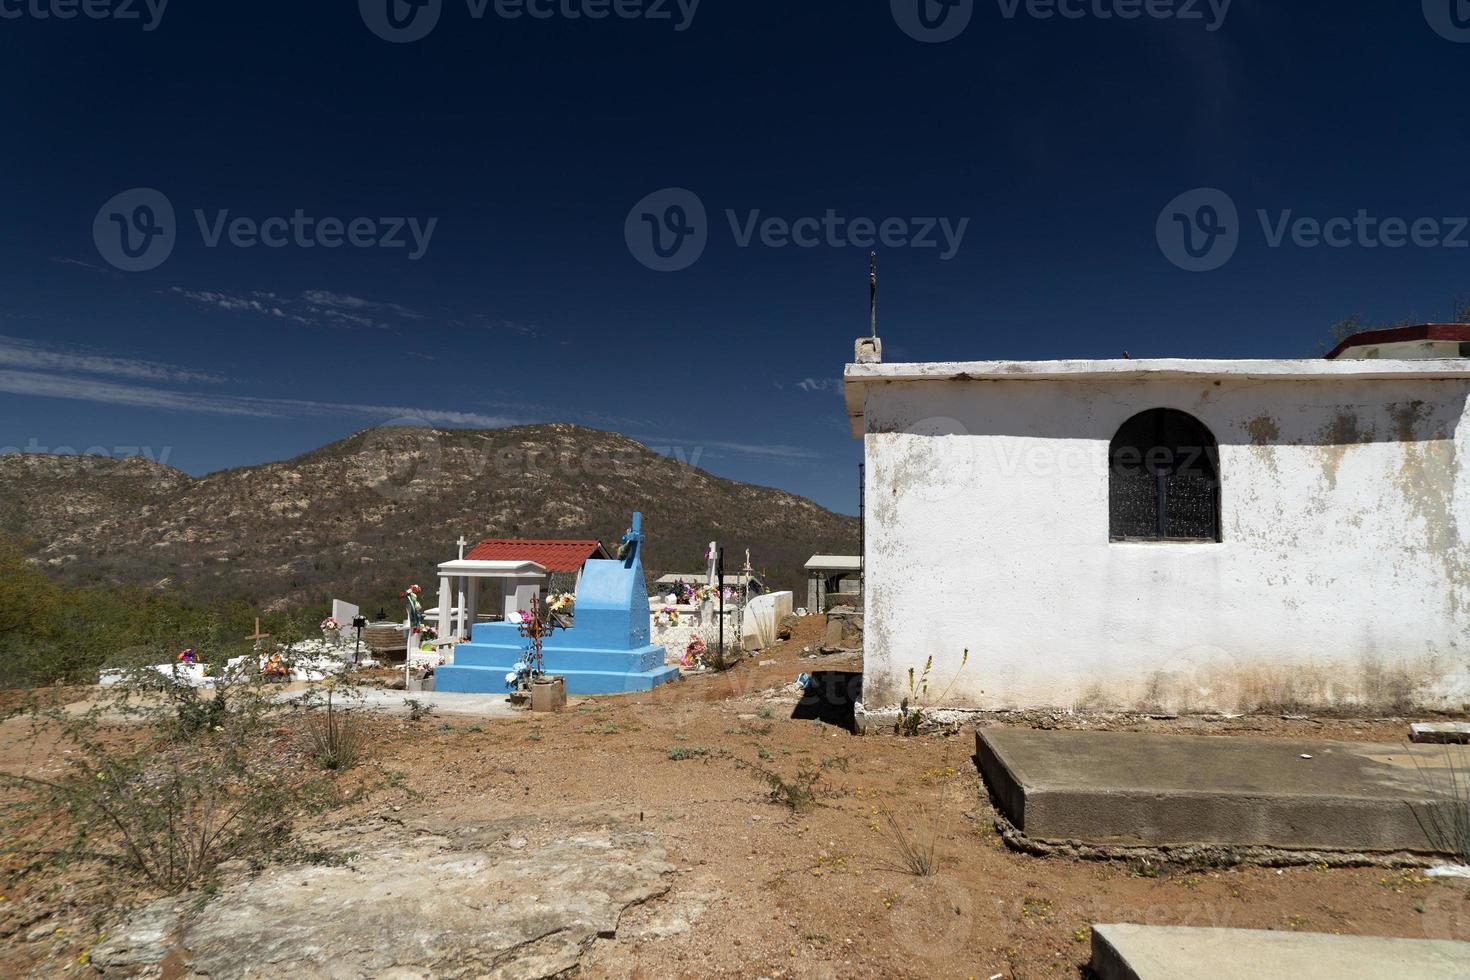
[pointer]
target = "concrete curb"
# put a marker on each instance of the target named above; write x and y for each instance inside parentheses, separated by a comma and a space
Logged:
(1137, 952)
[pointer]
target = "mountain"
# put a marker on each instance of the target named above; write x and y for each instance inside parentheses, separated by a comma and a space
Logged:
(361, 518)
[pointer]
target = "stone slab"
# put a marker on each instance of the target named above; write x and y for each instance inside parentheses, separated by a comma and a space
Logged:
(1135, 952)
(476, 705)
(520, 899)
(1132, 789)
(345, 613)
(1441, 732)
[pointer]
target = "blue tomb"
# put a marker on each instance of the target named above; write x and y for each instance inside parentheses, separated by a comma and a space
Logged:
(606, 652)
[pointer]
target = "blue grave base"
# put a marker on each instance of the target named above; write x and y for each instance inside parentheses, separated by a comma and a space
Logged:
(606, 652)
(480, 666)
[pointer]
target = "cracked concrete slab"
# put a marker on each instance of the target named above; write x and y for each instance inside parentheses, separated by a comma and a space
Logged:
(1137, 952)
(428, 905)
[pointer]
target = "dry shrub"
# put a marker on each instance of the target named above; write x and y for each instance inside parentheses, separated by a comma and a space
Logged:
(916, 852)
(339, 739)
(800, 793)
(913, 711)
(201, 781)
(1445, 817)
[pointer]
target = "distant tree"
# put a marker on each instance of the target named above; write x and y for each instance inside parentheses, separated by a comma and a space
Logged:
(1460, 310)
(1347, 326)
(30, 601)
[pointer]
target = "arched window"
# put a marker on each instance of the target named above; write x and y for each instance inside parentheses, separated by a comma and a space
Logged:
(1164, 479)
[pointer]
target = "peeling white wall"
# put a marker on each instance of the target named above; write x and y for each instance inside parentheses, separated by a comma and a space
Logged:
(1343, 578)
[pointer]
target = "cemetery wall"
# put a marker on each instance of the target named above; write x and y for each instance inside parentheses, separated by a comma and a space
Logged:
(1342, 580)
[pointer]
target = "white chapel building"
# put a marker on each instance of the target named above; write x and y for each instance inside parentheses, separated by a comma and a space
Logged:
(1170, 535)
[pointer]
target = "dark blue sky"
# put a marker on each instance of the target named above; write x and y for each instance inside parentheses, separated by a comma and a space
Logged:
(1061, 140)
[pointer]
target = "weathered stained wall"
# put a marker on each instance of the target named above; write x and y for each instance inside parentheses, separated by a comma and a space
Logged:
(1343, 579)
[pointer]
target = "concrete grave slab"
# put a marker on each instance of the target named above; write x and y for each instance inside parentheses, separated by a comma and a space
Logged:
(467, 899)
(1442, 732)
(1131, 789)
(1134, 952)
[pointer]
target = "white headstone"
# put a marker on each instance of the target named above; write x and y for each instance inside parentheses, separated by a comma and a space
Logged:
(344, 613)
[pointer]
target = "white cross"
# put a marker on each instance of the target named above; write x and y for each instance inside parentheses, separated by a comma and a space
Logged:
(461, 542)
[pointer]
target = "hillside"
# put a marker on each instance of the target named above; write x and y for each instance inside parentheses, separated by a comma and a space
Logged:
(359, 518)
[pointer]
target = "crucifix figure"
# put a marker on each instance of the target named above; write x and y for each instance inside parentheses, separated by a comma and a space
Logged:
(628, 550)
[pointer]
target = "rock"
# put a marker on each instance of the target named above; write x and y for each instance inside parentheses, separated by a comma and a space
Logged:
(424, 906)
(141, 944)
(844, 630)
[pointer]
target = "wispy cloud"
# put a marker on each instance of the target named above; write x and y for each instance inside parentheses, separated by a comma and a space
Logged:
(820, 384)
(329, 308)
(765, 450)
(485, 321)
(20, 353)
(62, 260)
(343, 301)
(314, 307)
(264, 304)
(40, 384)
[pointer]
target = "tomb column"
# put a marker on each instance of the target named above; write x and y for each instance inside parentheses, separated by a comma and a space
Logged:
(518, 593)
(464, 608)
(472, 611)
(446, 598)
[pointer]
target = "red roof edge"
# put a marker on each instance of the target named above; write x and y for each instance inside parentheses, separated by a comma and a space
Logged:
(1398, 335)
(554, 556)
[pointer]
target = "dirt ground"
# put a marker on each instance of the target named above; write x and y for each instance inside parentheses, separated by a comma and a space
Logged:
(764, 892)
